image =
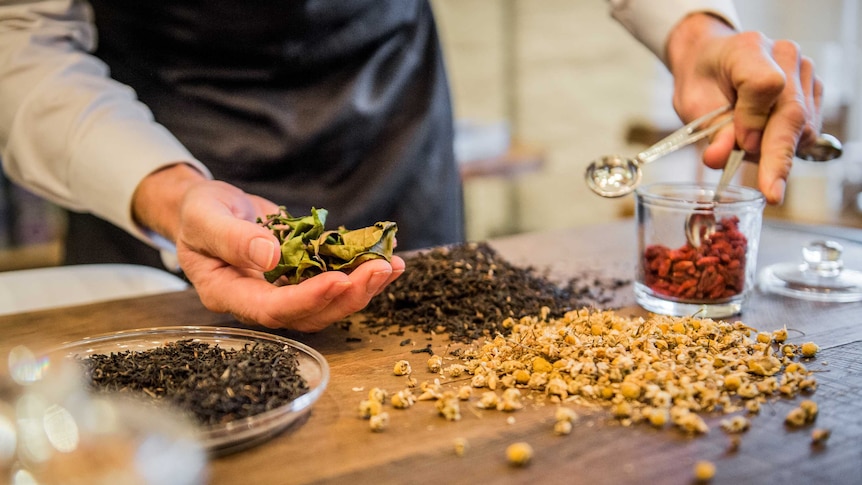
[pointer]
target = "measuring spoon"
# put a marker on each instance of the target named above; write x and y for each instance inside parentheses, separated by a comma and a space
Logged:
(616, 176)
(700, 226)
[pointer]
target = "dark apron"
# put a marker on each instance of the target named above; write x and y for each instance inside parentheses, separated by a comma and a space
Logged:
(342, 105)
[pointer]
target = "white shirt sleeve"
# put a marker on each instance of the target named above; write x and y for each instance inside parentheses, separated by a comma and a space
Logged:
(67, 131)
(651, 21)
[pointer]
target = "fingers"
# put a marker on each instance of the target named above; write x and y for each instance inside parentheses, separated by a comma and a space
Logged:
(309, 306)
(729, 68)
(757, 81)
(787, 121)
(776, 98)
(365, 282)
(812, 91)
(716, 153)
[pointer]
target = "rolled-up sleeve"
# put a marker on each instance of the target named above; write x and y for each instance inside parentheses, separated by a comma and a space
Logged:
(68, 132)
(651, 21)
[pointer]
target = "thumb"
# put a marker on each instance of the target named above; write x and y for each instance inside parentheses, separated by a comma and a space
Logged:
(216, 220)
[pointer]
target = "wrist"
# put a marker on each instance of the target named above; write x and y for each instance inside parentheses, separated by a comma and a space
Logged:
(157, 199)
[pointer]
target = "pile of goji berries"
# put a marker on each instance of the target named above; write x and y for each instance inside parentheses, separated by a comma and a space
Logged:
(713, 271)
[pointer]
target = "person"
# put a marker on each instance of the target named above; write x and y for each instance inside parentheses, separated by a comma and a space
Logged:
(183, 124)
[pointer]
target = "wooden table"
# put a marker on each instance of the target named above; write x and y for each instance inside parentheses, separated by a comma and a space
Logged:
(335, 446)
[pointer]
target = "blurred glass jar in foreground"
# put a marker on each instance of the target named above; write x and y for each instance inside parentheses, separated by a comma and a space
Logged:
(54, 432)
(703, 273)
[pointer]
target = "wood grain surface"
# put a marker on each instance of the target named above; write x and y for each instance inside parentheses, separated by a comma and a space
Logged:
(335, 446)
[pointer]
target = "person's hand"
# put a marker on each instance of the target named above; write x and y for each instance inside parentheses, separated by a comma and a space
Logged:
(224, 253)
(775, 92)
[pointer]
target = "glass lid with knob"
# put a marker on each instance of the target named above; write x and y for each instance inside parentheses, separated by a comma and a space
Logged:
(820, 276)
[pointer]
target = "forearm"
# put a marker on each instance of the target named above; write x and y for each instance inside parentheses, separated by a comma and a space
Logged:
(67, 131)
(652, 21)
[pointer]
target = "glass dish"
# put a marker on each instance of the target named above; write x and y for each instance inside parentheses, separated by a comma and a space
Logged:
(234, 435)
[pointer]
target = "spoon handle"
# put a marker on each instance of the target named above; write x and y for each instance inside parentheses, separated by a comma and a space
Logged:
(686, 135)
(730, 168)
(826, 148)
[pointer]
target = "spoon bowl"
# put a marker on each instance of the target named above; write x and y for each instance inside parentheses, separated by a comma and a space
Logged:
(825, 148)
(614, 176)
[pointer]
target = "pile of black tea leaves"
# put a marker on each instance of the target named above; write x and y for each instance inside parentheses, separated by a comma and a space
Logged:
(467, 290)
(214, 385)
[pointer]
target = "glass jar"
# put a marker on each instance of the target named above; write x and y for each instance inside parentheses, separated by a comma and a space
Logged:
(707, 272)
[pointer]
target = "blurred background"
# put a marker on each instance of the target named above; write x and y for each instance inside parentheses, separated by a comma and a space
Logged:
(542, 88)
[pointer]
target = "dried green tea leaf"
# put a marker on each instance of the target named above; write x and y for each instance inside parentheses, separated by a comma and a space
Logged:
(214, 384)
(296, 260)
(307, 249)
(360, 245)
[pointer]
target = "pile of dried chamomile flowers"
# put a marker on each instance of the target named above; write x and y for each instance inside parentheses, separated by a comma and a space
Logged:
(660, 370)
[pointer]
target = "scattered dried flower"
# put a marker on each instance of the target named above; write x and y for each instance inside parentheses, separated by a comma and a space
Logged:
(402, 368)
(734, 443)
(819, 436)
(736, 424)
(565, 414)
(658, 417)
(448, 407)
(461, 445)
(379, 422)
(377, 394)
(562, 427)
(403, 399)
(369, 407)
(796, 417)
(809, 349)
(510, 400)
(435, 363)
(519, 454)
(455, 370)
(704, 471)
(488, 400)
(810, 409)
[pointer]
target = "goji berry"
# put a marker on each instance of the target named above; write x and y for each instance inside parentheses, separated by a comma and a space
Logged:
(715, 270)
